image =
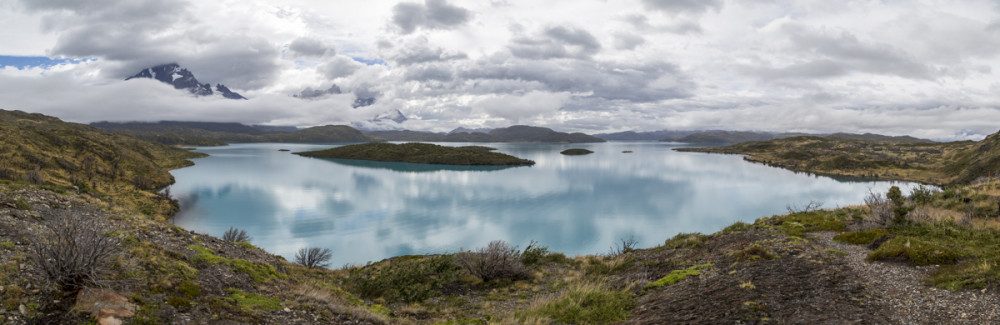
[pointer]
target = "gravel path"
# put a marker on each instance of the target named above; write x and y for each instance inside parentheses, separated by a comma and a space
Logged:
(900, 288)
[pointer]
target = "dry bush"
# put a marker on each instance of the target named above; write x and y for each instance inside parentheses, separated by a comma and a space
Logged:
(625, 246)
(72, 249)
(236, 235)
(881, 208)
(498, 260)
(34, 176)
(313, 257)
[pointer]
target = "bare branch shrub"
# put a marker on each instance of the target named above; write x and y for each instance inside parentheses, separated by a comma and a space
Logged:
(34, 176)
(813, 205)
(313, 257)
(498, 260)
(625, 246)
(880, 207)
(236, 235)
(72, 249)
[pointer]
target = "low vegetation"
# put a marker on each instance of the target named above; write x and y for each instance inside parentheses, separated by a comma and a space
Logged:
(423, 153)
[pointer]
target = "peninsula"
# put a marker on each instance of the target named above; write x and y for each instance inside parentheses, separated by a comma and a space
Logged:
(421, 153)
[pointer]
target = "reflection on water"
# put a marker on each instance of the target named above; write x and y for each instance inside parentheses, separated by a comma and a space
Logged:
(366, 211)
(416, 168)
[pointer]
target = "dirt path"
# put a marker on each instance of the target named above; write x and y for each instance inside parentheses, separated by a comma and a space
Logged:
(900, 287)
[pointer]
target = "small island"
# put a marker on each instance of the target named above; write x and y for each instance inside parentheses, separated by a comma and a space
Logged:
(576, 152)
(421, 153)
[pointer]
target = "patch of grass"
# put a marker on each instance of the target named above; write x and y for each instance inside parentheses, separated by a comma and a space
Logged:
(584, 304)
(918, 251)
(737, 227)
(753, 252)
(798, 224)
(863, 237)
(251, 303)
(405, 279)
(190, 289)
(7, 245)
(689, 240)
(246, 245)
(179, 303)
(973, 274)
(676, 276)
(259, 273)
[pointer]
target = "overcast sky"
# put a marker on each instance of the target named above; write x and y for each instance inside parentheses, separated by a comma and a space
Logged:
(923, 68)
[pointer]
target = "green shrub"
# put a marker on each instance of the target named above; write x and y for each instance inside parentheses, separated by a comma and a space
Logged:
(586, 305)
(922, 194)
(404, 279)
(533, 253)
(863, 237)
(918, 251)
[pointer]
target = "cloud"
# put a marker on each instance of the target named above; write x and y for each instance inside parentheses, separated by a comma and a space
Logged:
(430, 72)
(695, 7)
(339, 66)
(831, 53)
(556, 42)
(518, 107)
(628, 41)
(634, 82)
(132, 35)
(310, 47)
(418, 50)
(433, 14)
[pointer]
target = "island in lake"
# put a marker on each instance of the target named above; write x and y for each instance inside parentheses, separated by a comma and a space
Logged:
(422, 153)
(576, 152)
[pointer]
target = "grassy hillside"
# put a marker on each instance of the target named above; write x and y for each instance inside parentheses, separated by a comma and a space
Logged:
(45, 151)
(927, 162)
(423, 153)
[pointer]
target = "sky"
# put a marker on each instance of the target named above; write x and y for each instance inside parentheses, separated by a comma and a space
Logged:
(922, 68)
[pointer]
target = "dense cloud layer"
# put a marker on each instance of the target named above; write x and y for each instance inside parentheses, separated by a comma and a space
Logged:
(914, 67)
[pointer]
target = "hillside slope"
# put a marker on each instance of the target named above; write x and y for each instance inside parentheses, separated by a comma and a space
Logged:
(900, 158)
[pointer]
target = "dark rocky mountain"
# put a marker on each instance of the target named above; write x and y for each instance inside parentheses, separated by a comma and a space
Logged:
(181, 78)
(363, 101)
(310, 93)
(395, 116)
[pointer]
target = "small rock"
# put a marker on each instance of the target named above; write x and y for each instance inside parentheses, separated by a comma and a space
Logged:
(22, 309)
(287, 310)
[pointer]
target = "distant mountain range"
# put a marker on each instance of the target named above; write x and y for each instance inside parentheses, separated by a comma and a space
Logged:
(209, 133)
(213, 134)
(719, 137)
(181, 78)
(517, 133)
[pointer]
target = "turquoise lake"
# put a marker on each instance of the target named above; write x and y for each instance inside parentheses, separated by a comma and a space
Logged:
(368, 211)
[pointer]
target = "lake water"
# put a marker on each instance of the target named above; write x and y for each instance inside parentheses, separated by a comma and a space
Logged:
(368, 211)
